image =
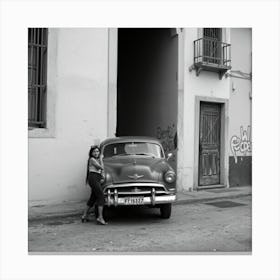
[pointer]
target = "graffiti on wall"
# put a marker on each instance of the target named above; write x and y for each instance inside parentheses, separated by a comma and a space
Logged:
(168, 137)
(242, 144)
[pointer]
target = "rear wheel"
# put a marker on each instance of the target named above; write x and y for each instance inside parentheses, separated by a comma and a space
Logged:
(165, 211)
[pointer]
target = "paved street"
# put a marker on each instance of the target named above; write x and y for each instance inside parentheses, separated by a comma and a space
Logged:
(198, 227)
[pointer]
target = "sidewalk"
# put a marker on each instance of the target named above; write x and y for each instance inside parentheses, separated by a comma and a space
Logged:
(69, 208)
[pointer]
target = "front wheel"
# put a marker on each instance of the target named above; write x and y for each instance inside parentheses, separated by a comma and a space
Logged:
(165, 211)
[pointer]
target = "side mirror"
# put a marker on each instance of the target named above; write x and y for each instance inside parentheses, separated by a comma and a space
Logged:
(169, 155)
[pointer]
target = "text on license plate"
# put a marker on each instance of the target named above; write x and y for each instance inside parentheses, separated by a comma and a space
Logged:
(134, 200)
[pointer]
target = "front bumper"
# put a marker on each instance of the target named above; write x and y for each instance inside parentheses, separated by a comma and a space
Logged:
(156, 194)
(116, 201)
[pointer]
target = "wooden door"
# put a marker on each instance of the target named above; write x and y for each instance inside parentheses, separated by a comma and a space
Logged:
(209, 143)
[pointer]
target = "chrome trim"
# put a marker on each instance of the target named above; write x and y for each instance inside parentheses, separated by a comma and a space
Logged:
(142, 192)
(135, 176)
(153, 193)
(108, 197)
(147, 184)
(148, 200)
(115, 197)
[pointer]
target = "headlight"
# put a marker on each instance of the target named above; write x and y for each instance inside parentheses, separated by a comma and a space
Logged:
(169, 177)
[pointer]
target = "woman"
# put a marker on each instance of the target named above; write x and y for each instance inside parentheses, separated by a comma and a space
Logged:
(94, 170)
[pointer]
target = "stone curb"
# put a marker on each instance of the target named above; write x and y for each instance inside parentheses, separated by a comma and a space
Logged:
(182, 201)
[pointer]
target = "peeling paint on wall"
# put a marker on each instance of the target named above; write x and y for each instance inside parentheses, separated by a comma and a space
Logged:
(241, 145)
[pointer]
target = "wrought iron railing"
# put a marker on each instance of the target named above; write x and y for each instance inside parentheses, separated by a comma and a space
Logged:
(212, 52)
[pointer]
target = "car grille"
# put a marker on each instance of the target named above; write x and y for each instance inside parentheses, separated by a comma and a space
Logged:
(136, 189)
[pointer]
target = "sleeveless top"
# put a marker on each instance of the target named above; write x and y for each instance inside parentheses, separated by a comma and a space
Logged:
(92, 167)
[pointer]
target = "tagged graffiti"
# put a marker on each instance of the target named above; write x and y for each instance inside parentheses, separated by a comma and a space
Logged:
(241, 144)
(168, 137)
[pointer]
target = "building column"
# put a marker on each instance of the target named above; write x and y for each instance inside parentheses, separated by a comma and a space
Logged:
(112, 81)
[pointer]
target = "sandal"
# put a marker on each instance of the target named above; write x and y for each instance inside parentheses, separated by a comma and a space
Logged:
(84, 218)
(101, 222)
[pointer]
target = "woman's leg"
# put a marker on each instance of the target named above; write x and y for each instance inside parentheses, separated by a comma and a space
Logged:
(97, 195)
(90, 204)
(85, 215)
(100, 215)
(86, 212)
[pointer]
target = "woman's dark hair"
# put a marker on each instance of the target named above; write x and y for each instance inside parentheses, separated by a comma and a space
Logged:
(92, 148)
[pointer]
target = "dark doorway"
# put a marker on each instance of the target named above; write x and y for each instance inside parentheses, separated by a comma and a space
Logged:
(147, 84)
(209, 143)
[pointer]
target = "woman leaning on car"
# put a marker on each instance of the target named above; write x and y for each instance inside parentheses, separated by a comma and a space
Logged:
(93, 178)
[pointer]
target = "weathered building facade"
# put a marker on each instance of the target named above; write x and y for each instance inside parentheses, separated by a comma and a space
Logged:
(240, 108)
(189, 87)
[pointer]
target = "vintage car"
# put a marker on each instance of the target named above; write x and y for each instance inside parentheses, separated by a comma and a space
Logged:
(137, 172)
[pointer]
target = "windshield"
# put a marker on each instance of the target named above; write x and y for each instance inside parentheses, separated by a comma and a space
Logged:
(133, 148)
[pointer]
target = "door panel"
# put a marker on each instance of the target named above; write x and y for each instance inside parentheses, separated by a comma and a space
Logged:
(209, 143)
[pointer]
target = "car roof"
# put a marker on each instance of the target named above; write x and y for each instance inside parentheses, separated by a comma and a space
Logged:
(129, 139)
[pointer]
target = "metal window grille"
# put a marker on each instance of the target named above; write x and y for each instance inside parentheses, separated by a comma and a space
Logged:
(212, 33)
(37, 76)
(212, 45)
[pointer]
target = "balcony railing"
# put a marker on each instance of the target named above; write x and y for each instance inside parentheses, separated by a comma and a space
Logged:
(212, 55)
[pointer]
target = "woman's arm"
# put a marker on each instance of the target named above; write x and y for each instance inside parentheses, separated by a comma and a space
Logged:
(94, 162)
(101, 161)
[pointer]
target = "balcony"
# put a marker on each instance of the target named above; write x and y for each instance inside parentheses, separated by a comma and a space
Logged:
(211, 55)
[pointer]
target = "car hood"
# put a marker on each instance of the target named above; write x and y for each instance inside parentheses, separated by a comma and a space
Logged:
(135, 169)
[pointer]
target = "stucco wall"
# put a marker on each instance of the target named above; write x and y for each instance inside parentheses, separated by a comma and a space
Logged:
(240, 109)
(57, 165)
(240, 90)
(207, 84)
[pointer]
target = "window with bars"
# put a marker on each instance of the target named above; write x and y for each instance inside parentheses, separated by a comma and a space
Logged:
(212, 45)
(37, 76)
(210, 53)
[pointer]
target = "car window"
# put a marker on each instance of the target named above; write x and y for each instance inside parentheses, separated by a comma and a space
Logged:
(133, 148)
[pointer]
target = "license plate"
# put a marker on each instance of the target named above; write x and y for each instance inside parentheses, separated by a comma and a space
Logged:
(139, 200)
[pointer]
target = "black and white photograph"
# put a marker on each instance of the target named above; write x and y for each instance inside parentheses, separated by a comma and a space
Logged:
(144, 131)
(139, 140)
